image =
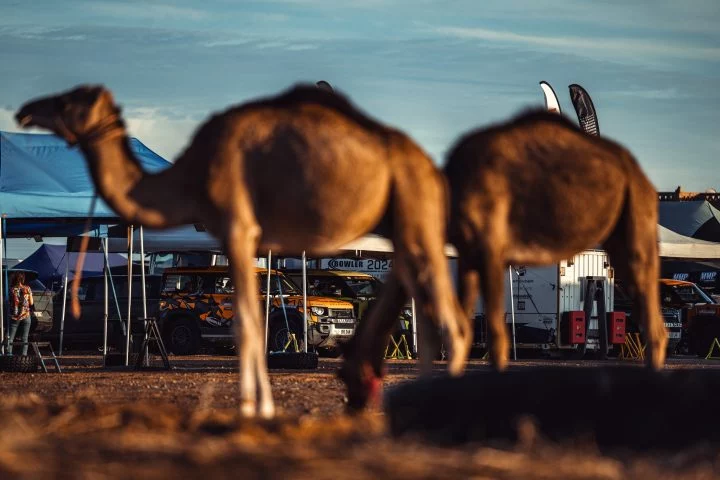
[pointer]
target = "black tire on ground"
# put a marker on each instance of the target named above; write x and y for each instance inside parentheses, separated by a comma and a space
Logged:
(293, 361)
(573, 354)
(19, 363)
(225, 349)
(117, 359)
(278, 332)
(334, 352)
(182, 336)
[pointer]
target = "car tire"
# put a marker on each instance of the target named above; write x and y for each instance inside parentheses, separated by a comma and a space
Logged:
(182, 336)
(19, 363)
(278, 333)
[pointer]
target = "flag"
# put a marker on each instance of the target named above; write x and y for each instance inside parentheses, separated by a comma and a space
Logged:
(585, 109)
(323, 85)
(551, 101)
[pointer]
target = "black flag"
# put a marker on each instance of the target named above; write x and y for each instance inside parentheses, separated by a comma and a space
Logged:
(323, 85)
(585, 109)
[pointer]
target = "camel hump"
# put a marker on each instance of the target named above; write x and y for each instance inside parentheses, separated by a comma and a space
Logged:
(305, 94)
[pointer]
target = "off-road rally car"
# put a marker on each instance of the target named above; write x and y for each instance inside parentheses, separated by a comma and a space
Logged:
(359, 288)
(700, 315)
(691, 317)
(197, 307)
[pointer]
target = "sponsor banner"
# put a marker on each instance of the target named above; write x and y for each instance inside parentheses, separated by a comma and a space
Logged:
(585, 109)
(379, 268)
(551, 101)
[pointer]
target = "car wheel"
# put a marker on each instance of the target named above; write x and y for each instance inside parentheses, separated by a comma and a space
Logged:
(183, 337)
(279, 336)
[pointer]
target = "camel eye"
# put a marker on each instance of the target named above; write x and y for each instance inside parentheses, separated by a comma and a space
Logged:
(61, 104)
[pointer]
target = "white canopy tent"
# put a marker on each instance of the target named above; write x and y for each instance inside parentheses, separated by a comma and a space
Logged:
(675, 245)
(187, 239)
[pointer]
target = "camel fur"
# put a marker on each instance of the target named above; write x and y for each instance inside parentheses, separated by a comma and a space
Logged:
(304, 170)
(537, 190)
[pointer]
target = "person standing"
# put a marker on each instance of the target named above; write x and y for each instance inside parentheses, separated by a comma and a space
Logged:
(21, 303)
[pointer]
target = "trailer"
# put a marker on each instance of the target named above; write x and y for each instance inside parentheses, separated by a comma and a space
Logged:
(565, 307)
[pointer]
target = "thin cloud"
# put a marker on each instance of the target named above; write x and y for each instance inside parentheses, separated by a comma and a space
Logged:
(624, 47)
(147, 10)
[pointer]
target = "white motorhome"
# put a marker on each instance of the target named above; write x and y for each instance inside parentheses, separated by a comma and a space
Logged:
(551, 307)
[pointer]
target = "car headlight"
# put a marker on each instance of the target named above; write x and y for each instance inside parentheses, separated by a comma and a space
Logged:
(317, 310)
(407, 312)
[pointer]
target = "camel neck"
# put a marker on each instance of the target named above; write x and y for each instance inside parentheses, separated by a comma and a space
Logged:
(136, 196)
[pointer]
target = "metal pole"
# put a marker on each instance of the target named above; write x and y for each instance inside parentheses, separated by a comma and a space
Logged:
(267, 298)
(305, 303)
(414, 325)
(64, 309)
(146, 354)
(2, 288)
(129, 290)
(106, 306)
(512, 311)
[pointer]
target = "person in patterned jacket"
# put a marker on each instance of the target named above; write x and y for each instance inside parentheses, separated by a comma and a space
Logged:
(21, 303)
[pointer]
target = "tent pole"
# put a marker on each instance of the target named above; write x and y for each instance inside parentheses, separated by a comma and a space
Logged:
(512, 310)
(305, 303)
(64, 309)
(129, 290)
(267, 298)
(2, 288)
(414, 325)
(146, 360)
(106, 303)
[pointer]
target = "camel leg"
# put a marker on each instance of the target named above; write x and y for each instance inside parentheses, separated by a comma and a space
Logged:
(241, 245)
(364, 353)
(428, 342)
(634, 241)
(419, 226)
(468, 291)
(492, 285)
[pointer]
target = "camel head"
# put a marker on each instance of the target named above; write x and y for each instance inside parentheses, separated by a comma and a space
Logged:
(362, 380)
(83, 113)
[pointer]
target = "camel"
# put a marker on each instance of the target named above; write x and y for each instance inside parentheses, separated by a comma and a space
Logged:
(536, 190)
(304, 170)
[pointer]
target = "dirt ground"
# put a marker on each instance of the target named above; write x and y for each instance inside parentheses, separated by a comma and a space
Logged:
(90, 422)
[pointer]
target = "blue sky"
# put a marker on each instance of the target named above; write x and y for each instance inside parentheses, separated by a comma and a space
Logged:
(434, 68)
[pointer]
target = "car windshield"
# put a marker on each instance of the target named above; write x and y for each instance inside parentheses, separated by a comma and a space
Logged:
(692, 294)
(364, 287)
(279, 285)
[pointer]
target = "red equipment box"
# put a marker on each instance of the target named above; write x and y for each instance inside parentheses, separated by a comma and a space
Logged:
(574, 327)
(616, 327)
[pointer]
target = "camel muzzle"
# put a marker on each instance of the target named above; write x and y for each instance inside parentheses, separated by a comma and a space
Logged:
(31, 114)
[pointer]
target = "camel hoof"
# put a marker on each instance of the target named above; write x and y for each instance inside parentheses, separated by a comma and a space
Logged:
(499, 360)
(266, 411)
(248, 409)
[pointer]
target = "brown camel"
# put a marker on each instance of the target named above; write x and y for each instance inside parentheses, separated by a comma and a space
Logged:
(304, 170)
(537, 190)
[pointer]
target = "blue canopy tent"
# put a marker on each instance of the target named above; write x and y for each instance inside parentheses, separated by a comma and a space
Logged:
(46, 190)
(45, 186)
(52, 261)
